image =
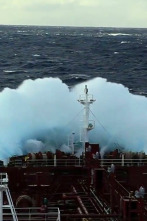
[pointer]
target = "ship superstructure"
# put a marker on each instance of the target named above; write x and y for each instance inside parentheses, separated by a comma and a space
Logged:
(61, 186)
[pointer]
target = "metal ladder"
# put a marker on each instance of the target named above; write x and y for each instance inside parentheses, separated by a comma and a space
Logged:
(4, 188)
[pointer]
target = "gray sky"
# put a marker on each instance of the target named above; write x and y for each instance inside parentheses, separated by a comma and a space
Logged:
(98, 13)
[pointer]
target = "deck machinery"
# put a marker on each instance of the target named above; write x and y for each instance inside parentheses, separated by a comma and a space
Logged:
(61, 186)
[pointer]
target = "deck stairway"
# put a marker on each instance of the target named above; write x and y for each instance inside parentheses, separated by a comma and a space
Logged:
(5, 189)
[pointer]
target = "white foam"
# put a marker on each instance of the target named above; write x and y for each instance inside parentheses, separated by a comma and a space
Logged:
(118, 34)
(116, 52)
(44, 110)
(36, 55)
(125, 42)
(9, 71)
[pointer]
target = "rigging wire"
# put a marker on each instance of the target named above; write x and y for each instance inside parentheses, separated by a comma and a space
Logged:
(106, 131)
(74, 118)
(100, 123)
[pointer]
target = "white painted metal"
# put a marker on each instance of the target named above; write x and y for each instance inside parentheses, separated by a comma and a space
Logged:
(86, 100)
(72, 143)
(55, 160)
(123, 159)
(4, 188)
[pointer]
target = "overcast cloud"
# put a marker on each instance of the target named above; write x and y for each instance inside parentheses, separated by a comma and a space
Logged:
(99, 13)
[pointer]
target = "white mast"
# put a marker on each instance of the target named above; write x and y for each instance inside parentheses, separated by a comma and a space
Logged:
(86, 99)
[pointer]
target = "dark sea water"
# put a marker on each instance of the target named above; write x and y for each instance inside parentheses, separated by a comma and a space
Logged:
(29, 118)
(74, 55)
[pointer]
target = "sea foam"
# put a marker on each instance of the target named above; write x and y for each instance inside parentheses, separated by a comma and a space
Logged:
(41, 114)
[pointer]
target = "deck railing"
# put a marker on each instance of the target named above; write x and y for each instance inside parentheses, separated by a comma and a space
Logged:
(79, 162)
(49, 162)
(33, 214)
(124, 162)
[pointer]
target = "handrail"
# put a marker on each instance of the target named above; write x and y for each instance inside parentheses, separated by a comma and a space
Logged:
(34, 214)
(49, 162)
(124, 162)
(79, 162)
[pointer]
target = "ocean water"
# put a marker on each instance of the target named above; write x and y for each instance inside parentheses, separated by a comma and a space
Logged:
(38, 66)
(74, 55)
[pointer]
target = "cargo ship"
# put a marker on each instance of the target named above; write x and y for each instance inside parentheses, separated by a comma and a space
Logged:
(63, 186)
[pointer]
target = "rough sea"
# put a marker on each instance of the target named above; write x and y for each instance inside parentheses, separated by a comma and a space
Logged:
(42, 72)
(74, 55)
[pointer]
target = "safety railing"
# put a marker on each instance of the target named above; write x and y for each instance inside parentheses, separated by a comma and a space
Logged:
(79, 162)
(123, 162)
(48, 162)
(34, 214)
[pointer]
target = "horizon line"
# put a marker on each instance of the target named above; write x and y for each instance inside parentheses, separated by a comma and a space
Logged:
(71, 26)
